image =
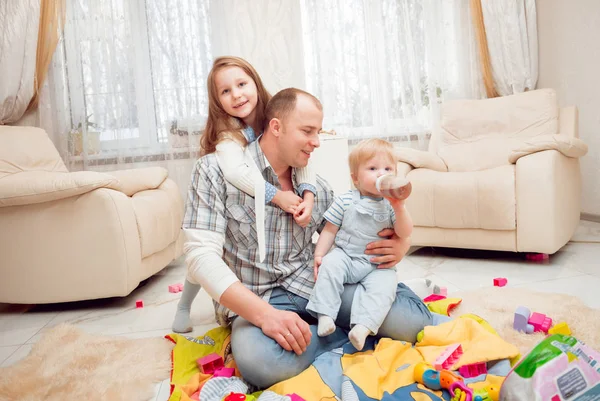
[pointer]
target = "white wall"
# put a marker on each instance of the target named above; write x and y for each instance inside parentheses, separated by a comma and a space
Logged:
(569, 61)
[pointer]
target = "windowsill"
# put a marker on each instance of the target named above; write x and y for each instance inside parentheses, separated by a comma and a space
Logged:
(149, 156)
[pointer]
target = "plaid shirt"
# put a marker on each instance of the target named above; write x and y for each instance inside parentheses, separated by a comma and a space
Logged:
(216, 205)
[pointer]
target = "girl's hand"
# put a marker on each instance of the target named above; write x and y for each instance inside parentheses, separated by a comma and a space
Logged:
(318, 260)
(287, 201)
(303, 213)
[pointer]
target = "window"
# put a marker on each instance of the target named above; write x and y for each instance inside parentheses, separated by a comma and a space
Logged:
(135, 67)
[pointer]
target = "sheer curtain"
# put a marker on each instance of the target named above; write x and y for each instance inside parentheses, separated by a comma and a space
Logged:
(127, 86)
(382, 67)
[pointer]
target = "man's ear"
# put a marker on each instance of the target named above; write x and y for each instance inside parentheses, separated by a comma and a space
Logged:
(275, 126)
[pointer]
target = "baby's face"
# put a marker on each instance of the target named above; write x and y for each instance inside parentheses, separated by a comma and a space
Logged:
(370, 170)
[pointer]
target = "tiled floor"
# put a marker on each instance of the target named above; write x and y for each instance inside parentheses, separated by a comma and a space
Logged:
(573, 270)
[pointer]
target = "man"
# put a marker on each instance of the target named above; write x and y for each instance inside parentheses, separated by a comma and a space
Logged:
(273, 337)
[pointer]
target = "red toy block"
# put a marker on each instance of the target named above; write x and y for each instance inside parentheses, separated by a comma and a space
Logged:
(210, 363)
(500, 282)
(433, 297)
(175, 288)
(139, 303)
(448, 357)
(537, 257)
(540, 322)
(295, 397)
(235, 397)
(224, 372)
(473, 370)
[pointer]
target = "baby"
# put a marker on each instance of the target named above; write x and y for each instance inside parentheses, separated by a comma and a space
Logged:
(354, 220)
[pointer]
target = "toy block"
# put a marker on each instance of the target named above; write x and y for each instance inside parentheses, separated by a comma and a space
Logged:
(448, 357)
(224, 372)
(433, 297)
(443, 291)
(521, 320)
(175, 288)
(560, 328)
(540, 322)
(500, 282)
(208, 364)
(139, 303)
(537, 257)
(473, 370)
(235, 397)
(295, 397)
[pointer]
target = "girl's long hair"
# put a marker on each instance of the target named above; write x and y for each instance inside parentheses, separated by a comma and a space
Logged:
(219, 121)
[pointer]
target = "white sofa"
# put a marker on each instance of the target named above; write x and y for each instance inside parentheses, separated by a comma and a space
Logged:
(500, 174)
(82, 235)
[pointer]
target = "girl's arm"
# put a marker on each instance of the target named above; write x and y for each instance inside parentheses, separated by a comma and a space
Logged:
(230, 155)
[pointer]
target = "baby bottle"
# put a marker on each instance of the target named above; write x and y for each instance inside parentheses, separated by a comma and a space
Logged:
(392, 186)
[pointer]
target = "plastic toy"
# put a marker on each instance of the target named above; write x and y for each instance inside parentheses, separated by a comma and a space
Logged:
(443, 291)
(537, 257)
(224, 372)
(448, 357)
(175, 288)
(434, 297)
(208, 364)
(139, 303)
(473, 370)
(540, 322)
(560, 328)
(521, 321)
(432, 379)
(295, 397)
(239, 397)
(500, 281)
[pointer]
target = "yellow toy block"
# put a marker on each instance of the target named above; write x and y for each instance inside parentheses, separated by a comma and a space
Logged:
(560, 328)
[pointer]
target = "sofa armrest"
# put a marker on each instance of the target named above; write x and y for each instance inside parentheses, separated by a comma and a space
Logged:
(569, 146)
(548, 197)
(31, 187)
(136, 180)
(403, 169)
(421, 159)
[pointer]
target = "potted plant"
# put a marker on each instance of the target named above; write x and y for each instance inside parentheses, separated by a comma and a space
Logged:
(92, 135)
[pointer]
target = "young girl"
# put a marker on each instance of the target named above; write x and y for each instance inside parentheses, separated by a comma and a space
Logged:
(353, 221)
(237, 100)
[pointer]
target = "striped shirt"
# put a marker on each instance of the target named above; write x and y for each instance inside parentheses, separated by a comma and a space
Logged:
(216, 205)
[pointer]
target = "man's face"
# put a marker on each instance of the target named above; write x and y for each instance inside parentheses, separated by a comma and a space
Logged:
(300, 133)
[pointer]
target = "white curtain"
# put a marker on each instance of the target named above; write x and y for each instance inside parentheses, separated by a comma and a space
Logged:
(127, 86)
(19, 24)
(382, 67)
(511, 31)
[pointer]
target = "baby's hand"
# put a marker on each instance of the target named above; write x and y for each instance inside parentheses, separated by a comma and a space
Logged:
(287, 201)
(318, 260)
(303, 213)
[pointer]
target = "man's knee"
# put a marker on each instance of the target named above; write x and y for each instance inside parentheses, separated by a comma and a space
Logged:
(260, 359)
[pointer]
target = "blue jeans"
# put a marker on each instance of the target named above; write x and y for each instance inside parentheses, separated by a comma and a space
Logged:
(262, 361)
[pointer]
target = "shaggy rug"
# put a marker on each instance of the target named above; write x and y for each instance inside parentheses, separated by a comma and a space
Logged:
(497, 305)
(69, 364)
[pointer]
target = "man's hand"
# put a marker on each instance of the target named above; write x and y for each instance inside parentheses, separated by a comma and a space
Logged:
(318, 260)
(287, 201)
(288, 329)
(303, 213)
(390, 251)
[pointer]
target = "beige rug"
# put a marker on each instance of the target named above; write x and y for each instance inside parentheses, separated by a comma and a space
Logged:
(69, 364)
(497, 306)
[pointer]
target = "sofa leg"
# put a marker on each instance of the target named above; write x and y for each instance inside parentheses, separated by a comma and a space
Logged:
(537, 257)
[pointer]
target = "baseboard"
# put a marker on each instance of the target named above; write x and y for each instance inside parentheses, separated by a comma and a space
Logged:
(590, 217)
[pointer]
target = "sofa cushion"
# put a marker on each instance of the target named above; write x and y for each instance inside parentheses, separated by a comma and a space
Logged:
(29, 187)
(479, 199)
(480, 134)
(27, 149)
(159, 214)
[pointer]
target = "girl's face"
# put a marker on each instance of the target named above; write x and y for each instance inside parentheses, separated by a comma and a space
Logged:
(237, 93)
(370, 170)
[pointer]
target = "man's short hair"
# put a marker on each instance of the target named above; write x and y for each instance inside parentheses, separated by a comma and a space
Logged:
(284, 102)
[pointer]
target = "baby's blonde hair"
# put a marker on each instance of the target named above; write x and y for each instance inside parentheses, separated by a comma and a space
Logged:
(366, 150)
